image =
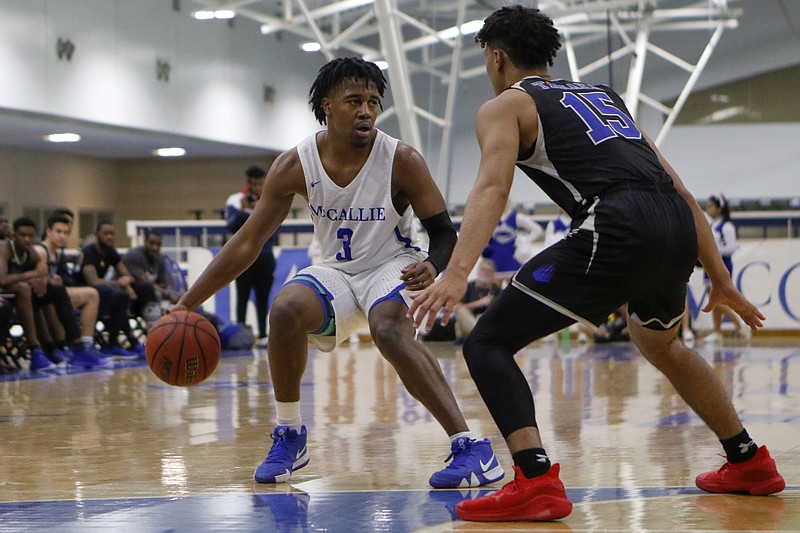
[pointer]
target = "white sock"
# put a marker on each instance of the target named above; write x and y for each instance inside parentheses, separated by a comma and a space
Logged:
(467, 434)
(288, 414)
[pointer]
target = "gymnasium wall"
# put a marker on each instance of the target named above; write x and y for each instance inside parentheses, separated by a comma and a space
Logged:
(742, 161)
(147, 189)
(216, 91)
(40, 179)
(155, 189)
(215, 80)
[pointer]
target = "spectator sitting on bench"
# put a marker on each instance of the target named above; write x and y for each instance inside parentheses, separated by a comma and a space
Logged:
(86, 299)
(480, 293)
(148, 267)
(7, 360)
(23, 272)
(116, 292)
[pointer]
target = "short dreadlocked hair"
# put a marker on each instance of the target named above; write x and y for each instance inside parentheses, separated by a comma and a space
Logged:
(526, 34)
(335, 72)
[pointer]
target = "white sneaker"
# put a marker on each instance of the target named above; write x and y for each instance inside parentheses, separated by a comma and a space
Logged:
(745, 333)
(688, 336)
(713, 337)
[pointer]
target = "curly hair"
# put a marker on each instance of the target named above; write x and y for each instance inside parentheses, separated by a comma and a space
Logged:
(335, 72)
(526, 34)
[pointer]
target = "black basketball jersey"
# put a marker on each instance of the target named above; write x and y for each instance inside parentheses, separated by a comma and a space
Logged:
(587, 144)
(19, 263)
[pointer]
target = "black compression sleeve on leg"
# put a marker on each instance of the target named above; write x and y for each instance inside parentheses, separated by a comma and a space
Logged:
(512, 321)
(442, 237)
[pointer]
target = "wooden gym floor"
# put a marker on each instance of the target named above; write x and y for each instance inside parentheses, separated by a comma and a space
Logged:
(116, 450)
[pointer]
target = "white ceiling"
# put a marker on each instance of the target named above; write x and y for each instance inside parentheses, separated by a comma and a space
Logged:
(25, 130)
(770, 28)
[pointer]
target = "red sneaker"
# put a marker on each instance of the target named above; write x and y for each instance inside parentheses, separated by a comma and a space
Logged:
(757, 476)
(539, 499)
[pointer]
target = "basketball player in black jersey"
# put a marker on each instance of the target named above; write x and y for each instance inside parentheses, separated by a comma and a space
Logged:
(636, 234)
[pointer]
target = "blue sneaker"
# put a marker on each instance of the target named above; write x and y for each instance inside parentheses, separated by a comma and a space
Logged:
(289, 510)
(473, 464)
(59, 356)
(87, 357)
(288, 453)
(118, 352)
(39, 361)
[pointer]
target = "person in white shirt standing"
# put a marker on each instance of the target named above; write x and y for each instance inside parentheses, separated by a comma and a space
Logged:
(718, 211)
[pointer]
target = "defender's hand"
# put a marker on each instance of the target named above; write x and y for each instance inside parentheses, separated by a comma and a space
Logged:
(445, 294)
(730, 296)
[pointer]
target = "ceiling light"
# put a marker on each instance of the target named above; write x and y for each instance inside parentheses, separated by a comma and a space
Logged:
(218, 14)
(465, 29)
(473, 26)
(169, 152)
(723, 115)
(62, 138)
(311, 47)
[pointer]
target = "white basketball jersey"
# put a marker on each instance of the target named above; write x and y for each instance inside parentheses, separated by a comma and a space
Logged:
(357, 226)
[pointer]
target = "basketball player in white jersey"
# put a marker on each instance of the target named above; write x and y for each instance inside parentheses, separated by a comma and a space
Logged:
(361, 186)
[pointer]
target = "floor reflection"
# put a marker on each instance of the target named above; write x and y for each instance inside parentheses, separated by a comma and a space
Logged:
(119, 450)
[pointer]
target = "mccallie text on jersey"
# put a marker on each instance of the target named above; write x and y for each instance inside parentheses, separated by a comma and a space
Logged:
(358, 214)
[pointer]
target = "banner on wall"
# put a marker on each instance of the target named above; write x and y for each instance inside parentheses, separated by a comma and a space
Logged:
(768, 274)
(766, 271)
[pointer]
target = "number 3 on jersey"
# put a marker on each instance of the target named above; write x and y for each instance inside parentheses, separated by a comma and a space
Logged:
(345, 234)
(604, 119)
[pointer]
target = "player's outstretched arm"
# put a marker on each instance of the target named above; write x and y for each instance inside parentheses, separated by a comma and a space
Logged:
(730, 296)
(723, 291)
(497, 128)
(284, 180)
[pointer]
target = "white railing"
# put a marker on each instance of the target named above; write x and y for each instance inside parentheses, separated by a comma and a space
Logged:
(297, 231)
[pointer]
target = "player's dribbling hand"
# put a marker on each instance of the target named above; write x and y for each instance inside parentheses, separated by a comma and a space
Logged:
(175, 308)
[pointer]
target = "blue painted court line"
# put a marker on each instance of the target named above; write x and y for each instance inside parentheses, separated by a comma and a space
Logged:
(335, 512)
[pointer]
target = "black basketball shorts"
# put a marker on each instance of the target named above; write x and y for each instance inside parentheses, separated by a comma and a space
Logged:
(636, 247)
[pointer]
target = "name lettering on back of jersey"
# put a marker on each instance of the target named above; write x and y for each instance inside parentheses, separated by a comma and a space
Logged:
(562, 85)
(357, 214)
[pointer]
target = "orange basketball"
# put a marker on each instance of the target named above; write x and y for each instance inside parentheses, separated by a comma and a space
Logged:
(182, 348)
